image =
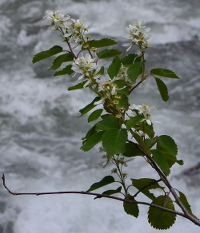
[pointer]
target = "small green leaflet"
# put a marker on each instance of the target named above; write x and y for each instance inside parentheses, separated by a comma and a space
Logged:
(108, 53)
(92, 141)
(77, 86)
(129, 59)
(158, 218)
(66, 70)
(133, 121)
(89, 107)
(131, 150)
(48, 53)
(145, 184)
(123, 103)
(168, 144)
(161, 161)
(114, 141)
(164, 73)
(134, 71)
(114, 67)
(110, 192)
(95, 115)
(122, 87)
(101, 43)
(131, 208)
(162, 89)
(60, 59)
(105, 181)
(108, 122)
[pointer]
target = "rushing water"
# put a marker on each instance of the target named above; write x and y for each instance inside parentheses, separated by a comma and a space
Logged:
(41, 136)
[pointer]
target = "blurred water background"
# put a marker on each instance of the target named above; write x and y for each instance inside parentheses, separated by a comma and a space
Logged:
(40, 134)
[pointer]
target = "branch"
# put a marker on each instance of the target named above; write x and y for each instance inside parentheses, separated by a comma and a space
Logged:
(92, 194)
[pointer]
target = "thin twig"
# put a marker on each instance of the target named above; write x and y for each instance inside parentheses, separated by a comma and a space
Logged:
(89, 193)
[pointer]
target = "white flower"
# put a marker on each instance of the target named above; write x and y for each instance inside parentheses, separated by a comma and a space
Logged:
(57, 19)
(87, 67)
(146, 110)
(137, 34)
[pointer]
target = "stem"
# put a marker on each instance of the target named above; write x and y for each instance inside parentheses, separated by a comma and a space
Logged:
(89, 193)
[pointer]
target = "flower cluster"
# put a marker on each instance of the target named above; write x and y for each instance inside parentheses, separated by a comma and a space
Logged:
(146, 110)
(73, 30)
(137, 34)
(87, 67)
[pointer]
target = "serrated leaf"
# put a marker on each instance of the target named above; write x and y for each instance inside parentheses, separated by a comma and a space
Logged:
(77, 86)
(92, 141)
(129, 59)
(131, 208)
(110, 192)
(146, 128)
(133, 121)
(164, 73)
(108, 53)
(47, 53)
(95, 115)
(66, 70)
(134, 71)
(131, 150)
(60, 59)
(161, 161)
(114, 67)
(168, 144)
(123, 103)
(114, 141)
(108, 122)
(158, 218)
(102, 43)
(105, 181)
(89, 107)
(146, 184)
(162, 89)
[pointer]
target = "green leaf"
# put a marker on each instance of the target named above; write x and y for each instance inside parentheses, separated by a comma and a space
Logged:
(66, 70)
(162, 89)
(131, 150)
(161, 161)
(134, 71)
(185, 202)
(101, 71)
(92, 141)
(141, 143)
(60, 59)
(105, 181)
(101, 43)
(89, 107)
(77, 86)
(114, 67)
(108, 122)
(164, 73)
(158, 218)
(90, 133)
(122, 87)
(133, 121)
(131, 208)
(150, 142)
(110, 192)
(145, 184)
(114, 141)
(48, 53)
(129, 59)
(123, 103)
(108, 53)
(95, 115)
(168, 144)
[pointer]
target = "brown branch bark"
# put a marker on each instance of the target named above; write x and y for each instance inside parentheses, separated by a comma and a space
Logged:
(92, 194)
